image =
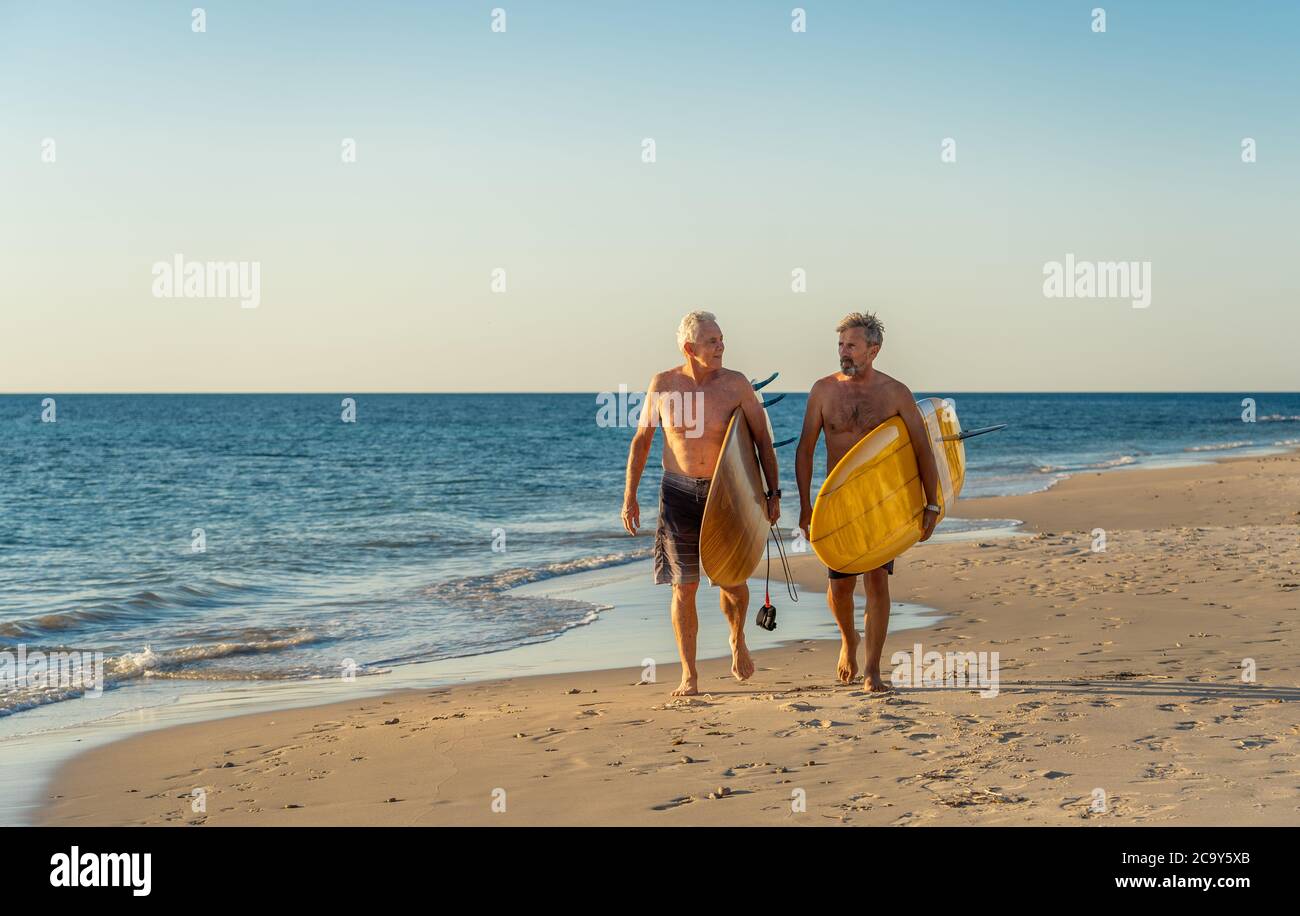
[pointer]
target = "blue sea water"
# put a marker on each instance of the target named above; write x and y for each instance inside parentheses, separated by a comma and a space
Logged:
(329, 544)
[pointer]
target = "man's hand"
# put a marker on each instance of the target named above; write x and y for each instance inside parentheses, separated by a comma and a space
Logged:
(773, 509)
(805, 520)
(928, 521)
(631, 515)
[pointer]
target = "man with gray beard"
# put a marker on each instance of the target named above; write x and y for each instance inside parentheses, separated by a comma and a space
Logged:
(847, 406)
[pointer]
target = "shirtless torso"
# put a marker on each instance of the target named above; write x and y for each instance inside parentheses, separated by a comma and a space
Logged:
(694, 416)
(850, 409)
(846, 408)
(693, 412)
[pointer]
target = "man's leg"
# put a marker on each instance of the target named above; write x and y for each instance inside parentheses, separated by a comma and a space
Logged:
(735, 604)
(839, 595)
(687, 626)
(876, 625)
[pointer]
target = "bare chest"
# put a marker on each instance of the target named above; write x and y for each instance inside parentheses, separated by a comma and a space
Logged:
(695, 414)
(854, 415)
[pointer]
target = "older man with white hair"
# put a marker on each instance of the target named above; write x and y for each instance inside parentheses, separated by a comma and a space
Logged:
(691, 446)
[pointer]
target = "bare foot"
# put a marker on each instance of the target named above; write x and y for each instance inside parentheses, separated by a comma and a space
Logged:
(742, 666)
(871, 680)
(847, 670)
(688, 687)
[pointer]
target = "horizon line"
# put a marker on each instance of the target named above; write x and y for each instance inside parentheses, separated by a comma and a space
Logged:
(352, 392)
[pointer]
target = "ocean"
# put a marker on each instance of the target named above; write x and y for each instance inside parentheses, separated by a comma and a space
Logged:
(220, 538)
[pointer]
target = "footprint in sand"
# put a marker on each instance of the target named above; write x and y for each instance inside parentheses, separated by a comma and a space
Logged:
(1161, 771)
(326, 726)
(951, 772)
(969, 797)
(820, 723)
(550, 735)
(910, 819)
(1053, 774)
(1255, 741)
(684, 703)
(1083, 806)
(1151, 743)
(862, 802)
(797, 706)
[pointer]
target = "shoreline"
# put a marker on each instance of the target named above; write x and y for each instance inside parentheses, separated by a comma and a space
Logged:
(627, 615)
(990, 527)
(967, 581)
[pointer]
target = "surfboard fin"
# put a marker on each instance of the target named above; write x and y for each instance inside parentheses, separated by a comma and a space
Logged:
(975, 432)
(785, 442)
(766, 381)
(768, 402)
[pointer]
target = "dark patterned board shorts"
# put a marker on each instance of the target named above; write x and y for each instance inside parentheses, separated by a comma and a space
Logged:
(677, 536)
(836, 574)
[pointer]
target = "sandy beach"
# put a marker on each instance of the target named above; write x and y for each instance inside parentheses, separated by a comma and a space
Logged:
(1120, 700)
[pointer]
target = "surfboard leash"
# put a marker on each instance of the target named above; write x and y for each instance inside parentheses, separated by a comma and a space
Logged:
(767, 614)
(785, 566)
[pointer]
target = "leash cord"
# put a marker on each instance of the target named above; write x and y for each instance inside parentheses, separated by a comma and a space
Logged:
(785, 565)
(767, 581)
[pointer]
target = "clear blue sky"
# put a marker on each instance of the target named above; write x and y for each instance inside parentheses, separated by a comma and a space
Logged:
(522, 150)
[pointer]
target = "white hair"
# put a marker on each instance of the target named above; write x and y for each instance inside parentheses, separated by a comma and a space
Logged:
(689, 329)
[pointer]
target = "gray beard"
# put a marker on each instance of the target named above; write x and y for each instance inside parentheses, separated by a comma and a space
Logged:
(849, 369)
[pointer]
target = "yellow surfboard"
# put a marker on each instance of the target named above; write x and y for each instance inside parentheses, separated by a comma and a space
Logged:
(870, 508)
(734, 528)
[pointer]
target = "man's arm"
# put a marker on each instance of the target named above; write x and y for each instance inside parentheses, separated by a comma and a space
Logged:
(929, 469)
(637, 454)
(762, 437)
(804, 452)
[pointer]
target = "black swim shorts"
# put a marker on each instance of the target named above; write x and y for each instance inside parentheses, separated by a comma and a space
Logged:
(677, 536)
(833, 574)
